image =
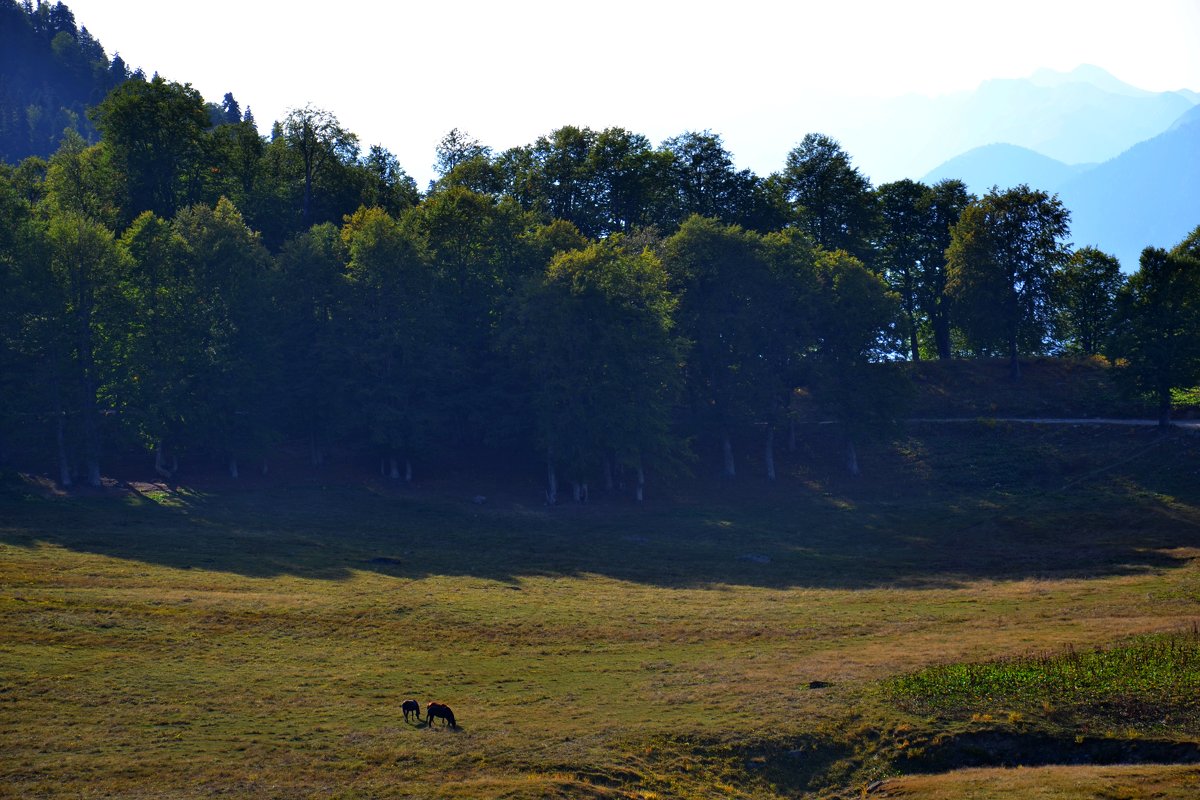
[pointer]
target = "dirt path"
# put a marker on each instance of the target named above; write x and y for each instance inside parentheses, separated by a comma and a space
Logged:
(1184, 424)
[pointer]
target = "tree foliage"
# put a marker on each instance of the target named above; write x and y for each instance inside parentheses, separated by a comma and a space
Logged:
(1086, 292)
(831, 200)
(1001, 264)
(1157, 324)
(155, 130)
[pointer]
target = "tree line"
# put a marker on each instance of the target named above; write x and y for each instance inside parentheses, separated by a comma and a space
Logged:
(192, 288)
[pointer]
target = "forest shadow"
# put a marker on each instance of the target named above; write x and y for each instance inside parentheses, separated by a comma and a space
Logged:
(940, 527)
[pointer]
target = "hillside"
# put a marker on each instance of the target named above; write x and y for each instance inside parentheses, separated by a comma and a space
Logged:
(51, 73)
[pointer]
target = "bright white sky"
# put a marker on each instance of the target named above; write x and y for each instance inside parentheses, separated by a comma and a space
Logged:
(403, 72)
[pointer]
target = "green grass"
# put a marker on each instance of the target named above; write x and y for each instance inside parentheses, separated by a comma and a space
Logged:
(218, 641)
(1149, 678)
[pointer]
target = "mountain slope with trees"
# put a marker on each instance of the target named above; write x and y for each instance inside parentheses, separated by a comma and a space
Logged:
(51, 72)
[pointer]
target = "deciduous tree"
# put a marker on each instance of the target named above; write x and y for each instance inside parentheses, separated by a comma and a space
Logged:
(155, 130)
(1002, 262)
(831, 200)
(1087, 293)
(594, 337)
(319, 141)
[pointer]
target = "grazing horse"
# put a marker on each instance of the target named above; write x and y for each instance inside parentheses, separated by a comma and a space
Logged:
(410, 707)
(439, 710)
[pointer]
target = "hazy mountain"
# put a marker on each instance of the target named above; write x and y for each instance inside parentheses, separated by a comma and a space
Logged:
(1078, 117)
(1075, 122)
(1149, 195)
(1190, 117)
(1005, 165)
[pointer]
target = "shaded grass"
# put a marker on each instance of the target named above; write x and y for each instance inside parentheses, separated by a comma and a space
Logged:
(1049, 387)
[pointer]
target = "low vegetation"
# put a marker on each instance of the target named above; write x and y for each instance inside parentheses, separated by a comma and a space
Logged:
(1151, 680)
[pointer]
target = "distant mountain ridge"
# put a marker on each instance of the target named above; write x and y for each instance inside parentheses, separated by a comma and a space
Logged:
(1005, 165)
(1073, 122)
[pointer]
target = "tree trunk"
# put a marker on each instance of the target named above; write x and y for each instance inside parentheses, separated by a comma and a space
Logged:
(306, 203)
(791, 435)
(608, 474)
(407, 470)
(233, 467)
(315, 451)
(851, 458)
(393, 468)
(264, 465)
(769, 454)
(912, 330)
(1164, 409)
(941, 334)
(551, 481)
(64, 463)
(160, 461)
(640, 492)
(94, 473)
(1014, 366)
(91, 432)
(87, 388)
(729, 471)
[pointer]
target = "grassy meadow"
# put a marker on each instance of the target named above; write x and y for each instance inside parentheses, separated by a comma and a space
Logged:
(747, 641)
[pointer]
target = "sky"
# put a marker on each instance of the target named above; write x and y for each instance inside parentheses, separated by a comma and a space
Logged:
(762, 74)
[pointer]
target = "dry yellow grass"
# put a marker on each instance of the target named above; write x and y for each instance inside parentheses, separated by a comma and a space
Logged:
(1137, 782)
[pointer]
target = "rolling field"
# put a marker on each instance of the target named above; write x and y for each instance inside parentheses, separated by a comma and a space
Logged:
(730, 641)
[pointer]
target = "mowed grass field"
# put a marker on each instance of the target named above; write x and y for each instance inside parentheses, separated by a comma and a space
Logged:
(257, 642)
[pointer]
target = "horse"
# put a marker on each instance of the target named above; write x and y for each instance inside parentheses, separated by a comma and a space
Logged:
(410, 707)
(439, 710)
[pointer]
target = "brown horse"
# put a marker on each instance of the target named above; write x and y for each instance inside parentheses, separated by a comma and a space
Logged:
(439, 710)
(410, 707)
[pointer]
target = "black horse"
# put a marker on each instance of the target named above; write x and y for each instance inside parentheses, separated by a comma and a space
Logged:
(439, 710)
(410, 707)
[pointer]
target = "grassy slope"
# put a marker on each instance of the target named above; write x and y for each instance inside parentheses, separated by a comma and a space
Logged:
(1049, 387)
(259, 644)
